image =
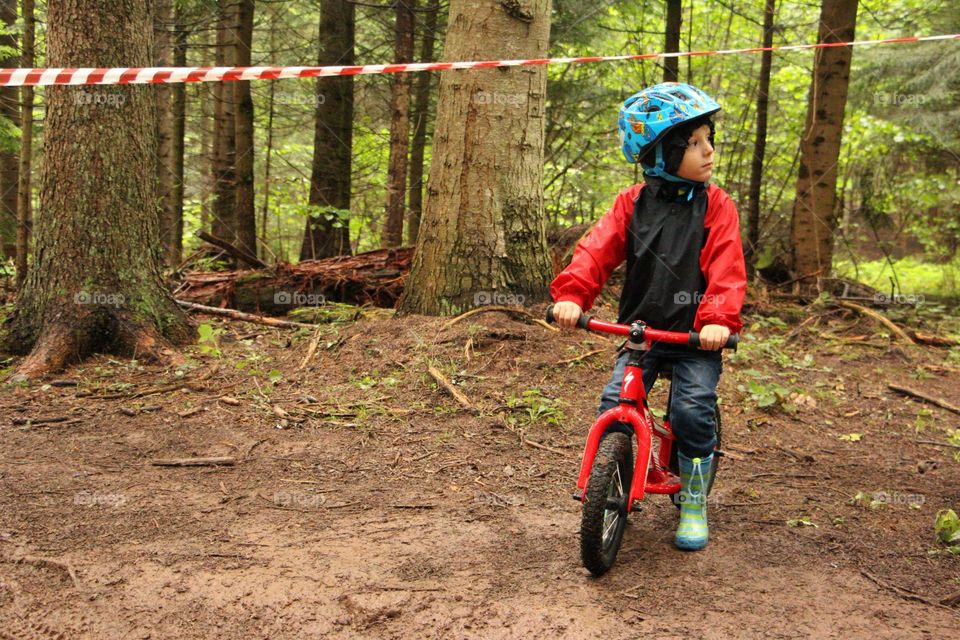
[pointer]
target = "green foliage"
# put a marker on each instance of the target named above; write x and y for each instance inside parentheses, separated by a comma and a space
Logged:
(539, 408)
(208, 339)
(947, 529)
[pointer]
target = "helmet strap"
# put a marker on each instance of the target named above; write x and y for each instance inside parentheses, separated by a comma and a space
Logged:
(658, 170)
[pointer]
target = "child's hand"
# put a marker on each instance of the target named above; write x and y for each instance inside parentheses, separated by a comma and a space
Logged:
(566, 314)
(713, 337)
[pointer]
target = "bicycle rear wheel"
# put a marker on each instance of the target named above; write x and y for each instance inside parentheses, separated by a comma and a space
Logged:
(604, 514)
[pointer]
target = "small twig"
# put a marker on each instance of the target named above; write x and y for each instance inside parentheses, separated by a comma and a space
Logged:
(943, 404)
(938, 444)
(511, 310)
(900, 591)
(51, 420)
(196, 462)
(579, 358)
(452, 390)
(537, 445)
(311, 350)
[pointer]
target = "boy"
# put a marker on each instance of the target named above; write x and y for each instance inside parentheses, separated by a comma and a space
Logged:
(685, 271)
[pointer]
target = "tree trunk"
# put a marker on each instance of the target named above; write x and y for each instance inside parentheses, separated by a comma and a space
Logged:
(814, 210)
(399, 128)
(9, 158)
(327, 232)
(95, 284)
(163, 46)
(760, 143)
(174, 210)
(25, 188)
(224, 130)
(420, 116)
(671, 66)
(482, 237)
(245, 214)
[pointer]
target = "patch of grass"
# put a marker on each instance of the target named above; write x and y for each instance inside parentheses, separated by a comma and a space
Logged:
(915, 276)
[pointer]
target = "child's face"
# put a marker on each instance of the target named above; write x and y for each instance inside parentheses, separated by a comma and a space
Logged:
(697, 163)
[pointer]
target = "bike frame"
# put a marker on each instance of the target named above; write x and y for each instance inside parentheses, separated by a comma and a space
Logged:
(633, 410)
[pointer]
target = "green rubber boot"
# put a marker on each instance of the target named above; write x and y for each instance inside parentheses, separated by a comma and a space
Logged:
(695, 475)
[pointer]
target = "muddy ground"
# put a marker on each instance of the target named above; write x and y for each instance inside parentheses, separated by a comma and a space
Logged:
(366, 503)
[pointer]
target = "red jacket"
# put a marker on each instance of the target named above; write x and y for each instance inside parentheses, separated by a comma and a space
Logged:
(721, 259)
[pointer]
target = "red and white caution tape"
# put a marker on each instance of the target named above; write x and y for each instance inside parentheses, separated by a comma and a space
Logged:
(168, 75)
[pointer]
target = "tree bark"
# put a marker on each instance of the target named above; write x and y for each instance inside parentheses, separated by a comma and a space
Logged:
(174, 210)
(24, 187)
(814, 210)
(483, 232)
(399, 127)
(760, 143)
(671, 66)
(420, 115)
(327, 233)
(245, 214)
(96, 284)
(224, 130)
(9, 157)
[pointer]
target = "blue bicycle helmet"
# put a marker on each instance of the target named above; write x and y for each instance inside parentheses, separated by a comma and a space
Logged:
(648, 116)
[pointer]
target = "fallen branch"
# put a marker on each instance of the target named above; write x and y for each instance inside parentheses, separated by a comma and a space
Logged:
(452, 390)
(196, 462)
(236, 252)
(952, 600)
(50, 420)
(936, 341)
(943, 404)
(233, 314)
(510, 310)
(885, 321)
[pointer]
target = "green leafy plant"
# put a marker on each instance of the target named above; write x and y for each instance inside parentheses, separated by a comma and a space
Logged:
(208, 340)
(947, 528)
(539, 407)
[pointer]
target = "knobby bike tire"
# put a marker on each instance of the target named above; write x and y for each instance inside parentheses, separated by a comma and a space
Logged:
(614, 454)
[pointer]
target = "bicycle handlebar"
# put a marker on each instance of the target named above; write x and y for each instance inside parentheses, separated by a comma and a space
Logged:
(639, 332)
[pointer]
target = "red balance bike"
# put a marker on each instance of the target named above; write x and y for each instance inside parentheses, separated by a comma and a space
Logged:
(612, 480)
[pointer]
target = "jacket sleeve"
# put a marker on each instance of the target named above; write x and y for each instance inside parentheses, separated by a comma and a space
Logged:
(721, 261)
(596, 256)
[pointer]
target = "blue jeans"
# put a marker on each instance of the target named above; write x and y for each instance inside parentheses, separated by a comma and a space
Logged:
(693, 406)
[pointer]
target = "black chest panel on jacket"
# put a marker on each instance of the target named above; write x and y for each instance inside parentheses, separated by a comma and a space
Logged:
(663, 283)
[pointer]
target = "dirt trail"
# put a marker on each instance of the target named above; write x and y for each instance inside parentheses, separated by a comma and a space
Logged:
(380, 509)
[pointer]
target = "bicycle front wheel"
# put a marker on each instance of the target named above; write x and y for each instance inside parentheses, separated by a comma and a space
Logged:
(604, 515)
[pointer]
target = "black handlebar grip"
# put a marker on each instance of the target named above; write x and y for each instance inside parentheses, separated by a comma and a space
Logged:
(731, 343)
(550, 318)
(582, 321)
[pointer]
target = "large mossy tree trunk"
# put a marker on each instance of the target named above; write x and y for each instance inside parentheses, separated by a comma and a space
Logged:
(482, 233)
(814, 219)
(95, 283)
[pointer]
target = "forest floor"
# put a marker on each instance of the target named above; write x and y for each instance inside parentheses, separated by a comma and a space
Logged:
(366, 503)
